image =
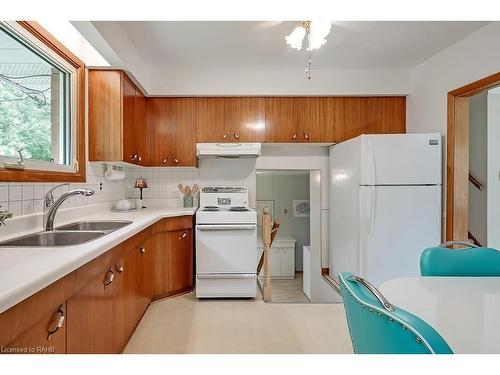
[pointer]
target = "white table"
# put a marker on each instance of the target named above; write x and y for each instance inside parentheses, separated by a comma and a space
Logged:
(464, 310)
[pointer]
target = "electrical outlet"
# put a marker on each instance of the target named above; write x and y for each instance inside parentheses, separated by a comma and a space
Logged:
(100, 186)
(285, 211)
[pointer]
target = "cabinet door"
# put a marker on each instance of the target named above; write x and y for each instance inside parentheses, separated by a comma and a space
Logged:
(127, 298)
(287, 262)
(160, 264)
(91, 317)
(140, 132)
(275, 262)
(316, 120)
(181, 260)
(282, 119)
(349, 125)
(48, 336)
(130, 143)
(245, 119)
(161, 132)
(209, 119)
(105, 115)
(181, 115)
(144, 261)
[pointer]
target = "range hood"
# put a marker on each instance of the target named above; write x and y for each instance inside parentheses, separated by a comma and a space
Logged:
(228, 150)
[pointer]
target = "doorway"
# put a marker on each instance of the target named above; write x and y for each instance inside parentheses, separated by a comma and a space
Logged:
(286, 193)
(458, 154)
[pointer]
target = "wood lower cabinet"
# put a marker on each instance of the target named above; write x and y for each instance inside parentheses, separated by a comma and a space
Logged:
(173, 258)
(96, 308)
(91, 316)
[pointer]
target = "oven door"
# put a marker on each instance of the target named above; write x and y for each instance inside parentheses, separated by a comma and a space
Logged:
(226, 248)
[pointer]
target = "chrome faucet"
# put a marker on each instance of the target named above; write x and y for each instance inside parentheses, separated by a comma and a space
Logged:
(50, 206)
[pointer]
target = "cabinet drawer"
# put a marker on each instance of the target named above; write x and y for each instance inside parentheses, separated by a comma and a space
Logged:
(175, 223)
(226, 285)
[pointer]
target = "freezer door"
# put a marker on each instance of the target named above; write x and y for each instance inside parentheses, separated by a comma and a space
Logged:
(396, 224)
(401, 159)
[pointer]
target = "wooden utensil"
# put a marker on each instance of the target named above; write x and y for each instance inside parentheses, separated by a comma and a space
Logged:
(181, 189)
(195, 189)
(188, 190)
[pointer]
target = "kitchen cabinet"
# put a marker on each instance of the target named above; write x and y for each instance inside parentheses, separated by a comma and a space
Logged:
(171, 130)
(300, 120)
(91, 316)
(181, 262)
(173, 259)
(116, 118)
(281, 258)
(245, 119)
(209, 119)
(48, 336)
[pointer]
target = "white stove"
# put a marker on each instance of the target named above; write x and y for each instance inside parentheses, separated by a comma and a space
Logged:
(226, 237)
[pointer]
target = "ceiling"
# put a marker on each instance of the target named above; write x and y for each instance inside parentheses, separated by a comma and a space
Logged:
(261, 45)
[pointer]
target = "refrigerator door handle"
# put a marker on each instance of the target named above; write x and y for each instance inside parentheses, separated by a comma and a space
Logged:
(372, 161)
(372, 208)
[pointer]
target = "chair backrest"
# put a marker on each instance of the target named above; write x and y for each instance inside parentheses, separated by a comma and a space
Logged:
(478, 261)
(376, 329)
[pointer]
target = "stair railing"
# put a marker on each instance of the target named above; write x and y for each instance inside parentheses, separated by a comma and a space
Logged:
(269, 232)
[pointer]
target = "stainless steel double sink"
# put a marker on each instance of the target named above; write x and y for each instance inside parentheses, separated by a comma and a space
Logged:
(68, 235)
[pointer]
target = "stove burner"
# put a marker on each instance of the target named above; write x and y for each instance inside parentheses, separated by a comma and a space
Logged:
(210, 208)
(239, 209)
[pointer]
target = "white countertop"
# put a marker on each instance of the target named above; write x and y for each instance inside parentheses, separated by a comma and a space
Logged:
(464, 310)
(25, 271)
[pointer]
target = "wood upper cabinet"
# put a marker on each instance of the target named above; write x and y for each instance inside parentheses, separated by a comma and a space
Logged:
(172, 131)
(225, 119)
(300, 119)
(209, 119)
(245, 119)
(116, 125)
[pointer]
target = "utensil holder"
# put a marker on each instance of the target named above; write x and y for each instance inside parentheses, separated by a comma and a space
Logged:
(187, 201)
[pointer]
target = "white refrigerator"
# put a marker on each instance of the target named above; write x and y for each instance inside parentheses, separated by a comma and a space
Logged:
(384, 204)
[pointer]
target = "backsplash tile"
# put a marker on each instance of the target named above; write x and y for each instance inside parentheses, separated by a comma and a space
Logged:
(162, 182)
(27, 198)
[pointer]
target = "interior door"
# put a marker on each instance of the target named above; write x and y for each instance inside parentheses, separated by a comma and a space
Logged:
(396, 224)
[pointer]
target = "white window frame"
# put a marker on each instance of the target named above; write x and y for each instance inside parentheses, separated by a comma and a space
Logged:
(71, 99)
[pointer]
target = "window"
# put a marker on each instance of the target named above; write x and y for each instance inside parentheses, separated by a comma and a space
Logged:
(41, 106)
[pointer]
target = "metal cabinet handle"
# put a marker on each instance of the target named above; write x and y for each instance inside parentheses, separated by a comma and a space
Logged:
(56, 323)
(176, 161)
(118, 268)
(236, 136)
(183, 235)
(294, 137)
(135, 157)
(142, 249)
(224, 137)
(109, 277)
(139, 158)
(306, 137)
(164, 161)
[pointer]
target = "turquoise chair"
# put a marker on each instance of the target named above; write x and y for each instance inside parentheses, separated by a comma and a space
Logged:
(377, 327)
(472, 261)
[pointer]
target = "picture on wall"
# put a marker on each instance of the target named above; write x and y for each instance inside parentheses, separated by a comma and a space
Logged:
(260, 206)
(301, 208)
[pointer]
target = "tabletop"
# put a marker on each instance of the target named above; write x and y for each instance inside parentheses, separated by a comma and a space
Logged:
(464, 310)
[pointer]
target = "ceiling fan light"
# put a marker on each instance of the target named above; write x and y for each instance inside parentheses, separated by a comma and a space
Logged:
(295, 38)
(318, 33)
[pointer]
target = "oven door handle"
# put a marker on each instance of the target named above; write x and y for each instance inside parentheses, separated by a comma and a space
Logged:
(226, 276)
(210, 227)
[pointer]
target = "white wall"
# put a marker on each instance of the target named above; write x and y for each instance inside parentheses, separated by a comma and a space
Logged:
(283, 187)
(468, 60)
(478, 152)
(280, 82)
(493, 189)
